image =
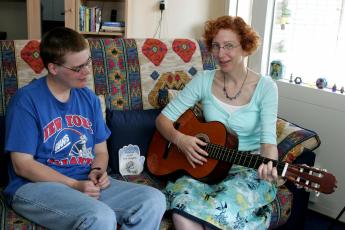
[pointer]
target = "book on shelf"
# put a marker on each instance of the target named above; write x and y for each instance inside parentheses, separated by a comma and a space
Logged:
(116, 24)
(98, 18)
(113, 27)
(90, 18)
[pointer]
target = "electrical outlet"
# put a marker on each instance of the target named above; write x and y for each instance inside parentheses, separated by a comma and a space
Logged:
(163, 4)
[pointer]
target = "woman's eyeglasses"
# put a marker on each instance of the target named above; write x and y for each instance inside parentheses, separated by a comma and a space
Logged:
(227, 47)
(77, 69)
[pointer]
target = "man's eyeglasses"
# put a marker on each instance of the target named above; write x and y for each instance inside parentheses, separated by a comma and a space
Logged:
(227, 47)
(77, 69)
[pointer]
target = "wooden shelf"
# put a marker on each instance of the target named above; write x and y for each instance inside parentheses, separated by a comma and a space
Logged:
(72, 14)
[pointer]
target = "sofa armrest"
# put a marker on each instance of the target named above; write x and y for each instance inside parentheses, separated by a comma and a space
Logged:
(292, 140)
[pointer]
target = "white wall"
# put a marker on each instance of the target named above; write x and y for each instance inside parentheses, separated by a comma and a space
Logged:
(323, 112)
(182, 18)
(14, 12)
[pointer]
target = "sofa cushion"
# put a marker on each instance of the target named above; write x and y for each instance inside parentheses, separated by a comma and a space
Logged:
(2, 134)
(129, 127)
(292, 139)
(281, 207)
(3, 157)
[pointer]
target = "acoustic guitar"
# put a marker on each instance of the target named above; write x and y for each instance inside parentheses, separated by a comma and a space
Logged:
(165, 159)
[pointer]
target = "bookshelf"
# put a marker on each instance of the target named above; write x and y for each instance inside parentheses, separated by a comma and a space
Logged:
(79, 12)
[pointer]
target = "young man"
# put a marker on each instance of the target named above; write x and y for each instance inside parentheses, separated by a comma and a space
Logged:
(56, 138)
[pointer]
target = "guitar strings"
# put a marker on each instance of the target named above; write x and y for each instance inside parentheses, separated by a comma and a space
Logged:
(238, 155)
(303, 177)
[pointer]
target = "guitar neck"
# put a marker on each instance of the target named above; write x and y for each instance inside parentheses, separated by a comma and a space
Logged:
(243, 158)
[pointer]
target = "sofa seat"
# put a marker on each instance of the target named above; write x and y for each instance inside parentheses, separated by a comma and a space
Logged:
(281, 206)
(139, 75)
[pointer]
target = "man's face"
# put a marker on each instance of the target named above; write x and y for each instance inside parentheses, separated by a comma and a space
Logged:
(75, 71)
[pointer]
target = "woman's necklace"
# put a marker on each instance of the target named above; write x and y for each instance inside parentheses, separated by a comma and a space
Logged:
(239, 91)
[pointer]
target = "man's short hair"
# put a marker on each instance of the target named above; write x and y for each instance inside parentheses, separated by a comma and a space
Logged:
(59, 41)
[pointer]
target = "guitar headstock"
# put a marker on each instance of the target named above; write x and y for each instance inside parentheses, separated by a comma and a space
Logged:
(314, 179)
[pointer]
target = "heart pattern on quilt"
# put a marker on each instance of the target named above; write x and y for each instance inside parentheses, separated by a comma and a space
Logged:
(154, 50)
(184, 48)
(31, 55)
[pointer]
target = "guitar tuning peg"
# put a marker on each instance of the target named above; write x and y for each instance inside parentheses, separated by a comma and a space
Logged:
(316, 185)
(324, 170)
(298, 186)
(308, 189)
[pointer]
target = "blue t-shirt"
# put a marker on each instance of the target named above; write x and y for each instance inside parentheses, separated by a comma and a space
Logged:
(254, 123)
(59, 135)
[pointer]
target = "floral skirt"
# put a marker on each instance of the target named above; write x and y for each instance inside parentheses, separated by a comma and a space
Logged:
(240, 201)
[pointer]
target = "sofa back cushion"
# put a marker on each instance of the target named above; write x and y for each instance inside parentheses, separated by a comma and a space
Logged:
(139, 74)
(129, 127)
(3, 157)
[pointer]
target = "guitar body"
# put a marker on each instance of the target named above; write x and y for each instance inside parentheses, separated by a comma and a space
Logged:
(164, 159)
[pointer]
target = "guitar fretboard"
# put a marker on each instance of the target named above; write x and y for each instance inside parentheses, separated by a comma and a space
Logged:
(244, 158)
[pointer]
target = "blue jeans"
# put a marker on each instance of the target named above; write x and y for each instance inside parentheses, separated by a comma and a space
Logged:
(57, 206)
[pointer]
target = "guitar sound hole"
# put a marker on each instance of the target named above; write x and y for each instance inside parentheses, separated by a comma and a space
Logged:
(203, 137)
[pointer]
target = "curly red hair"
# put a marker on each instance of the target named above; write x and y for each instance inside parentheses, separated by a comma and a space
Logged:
(249, 38)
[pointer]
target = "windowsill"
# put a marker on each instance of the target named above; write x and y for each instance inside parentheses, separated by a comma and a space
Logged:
(311, 95)
(312, 86)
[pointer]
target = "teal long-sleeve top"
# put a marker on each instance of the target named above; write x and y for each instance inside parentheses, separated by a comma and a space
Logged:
(254, 124)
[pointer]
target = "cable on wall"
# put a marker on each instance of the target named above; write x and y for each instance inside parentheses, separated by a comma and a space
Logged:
(162, 7)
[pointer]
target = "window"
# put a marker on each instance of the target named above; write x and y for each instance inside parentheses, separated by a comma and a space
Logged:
(308, 37)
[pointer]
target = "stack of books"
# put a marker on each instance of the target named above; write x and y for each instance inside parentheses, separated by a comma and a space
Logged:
(113, 27)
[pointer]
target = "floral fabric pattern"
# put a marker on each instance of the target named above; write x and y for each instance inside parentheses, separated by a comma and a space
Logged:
(239, 202)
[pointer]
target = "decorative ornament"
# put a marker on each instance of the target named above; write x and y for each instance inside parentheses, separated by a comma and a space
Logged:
(342, 89)
(334, 88)
(298, 80)
(276, 69)
(321, 83)
(291, 77)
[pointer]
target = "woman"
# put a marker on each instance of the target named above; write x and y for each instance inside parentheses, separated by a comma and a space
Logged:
(246, 103)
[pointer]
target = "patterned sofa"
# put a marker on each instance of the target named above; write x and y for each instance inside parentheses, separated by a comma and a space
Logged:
(138, 75)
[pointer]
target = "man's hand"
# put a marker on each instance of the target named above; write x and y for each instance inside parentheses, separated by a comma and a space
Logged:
(87, 187)
(99, 178)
